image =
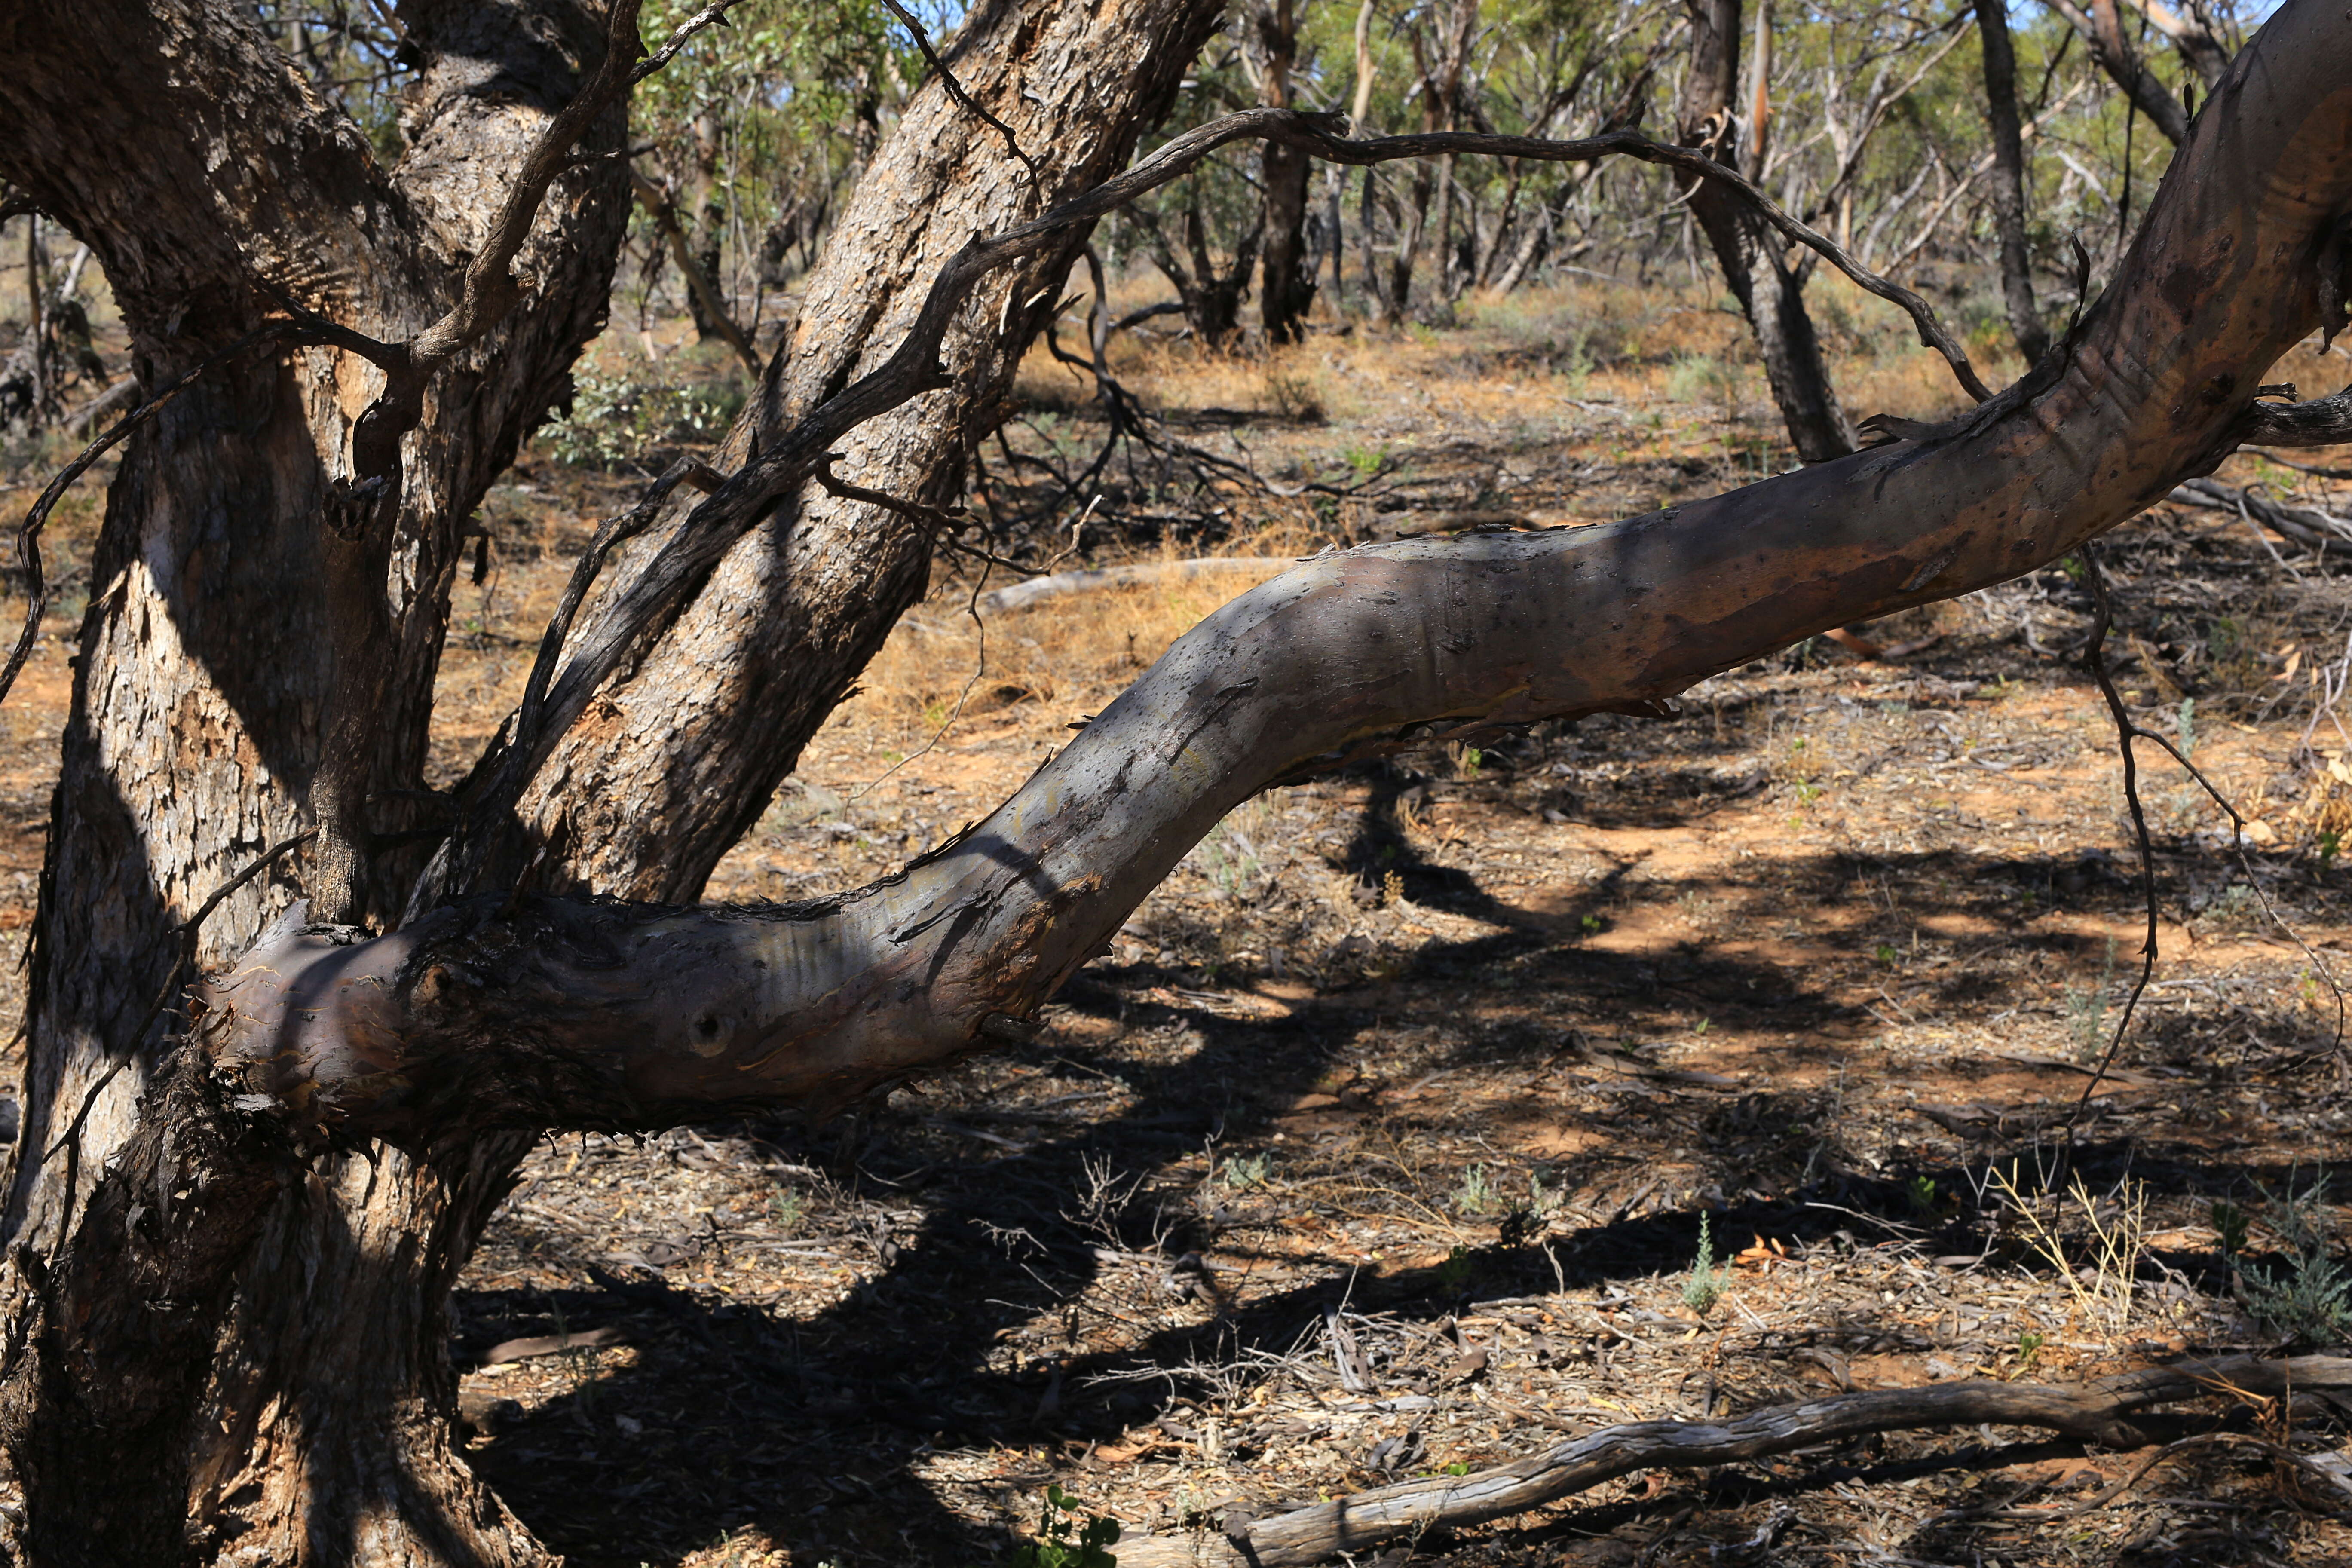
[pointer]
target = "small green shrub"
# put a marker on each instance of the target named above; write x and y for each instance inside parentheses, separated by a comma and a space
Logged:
(2308, 1299)
(1242, 1172)
(1063, 1541)
(1703, 1289)
(613, 420)
(1477, 1193)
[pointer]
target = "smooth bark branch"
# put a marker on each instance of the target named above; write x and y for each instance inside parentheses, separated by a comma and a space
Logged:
(544, 1014)
(2099, 1413)
(2206, 54)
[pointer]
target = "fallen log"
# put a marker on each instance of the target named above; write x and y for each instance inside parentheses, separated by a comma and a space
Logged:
(2097, 1412)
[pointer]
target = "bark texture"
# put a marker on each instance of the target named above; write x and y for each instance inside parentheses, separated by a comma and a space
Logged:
(2101, 23)
(203, 673)
(324, 1435)
(1770, 292)
(1286, 289)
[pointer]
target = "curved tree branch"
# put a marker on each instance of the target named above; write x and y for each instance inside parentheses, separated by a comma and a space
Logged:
(2320, 422)
(536, 1012)
(688, 553)
(546, 1013)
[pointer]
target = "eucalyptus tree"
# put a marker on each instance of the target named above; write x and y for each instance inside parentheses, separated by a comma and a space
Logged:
(227, 1327)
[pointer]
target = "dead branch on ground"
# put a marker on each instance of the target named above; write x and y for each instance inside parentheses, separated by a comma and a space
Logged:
(2100, 1412)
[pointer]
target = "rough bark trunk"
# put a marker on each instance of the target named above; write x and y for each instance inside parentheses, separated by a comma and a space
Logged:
(2008, 179)
(1769, 291)
(179, 143)
(632, 1016)
(325, 1432)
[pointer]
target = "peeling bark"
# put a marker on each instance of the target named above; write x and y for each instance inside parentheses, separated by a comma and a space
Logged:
(490, 1019)
(698, 733)
(181, 144)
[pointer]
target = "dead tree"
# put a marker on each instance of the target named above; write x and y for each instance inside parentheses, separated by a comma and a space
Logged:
(487, 1018)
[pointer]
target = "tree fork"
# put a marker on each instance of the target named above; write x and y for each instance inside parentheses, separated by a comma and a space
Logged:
(611, 1016)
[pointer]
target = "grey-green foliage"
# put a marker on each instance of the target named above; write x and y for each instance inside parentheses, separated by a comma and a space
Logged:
(1704, 1288)
(2085, 1009)
(1231, 856)
(2307, 1298)
(1477, 1193)
(615, 420)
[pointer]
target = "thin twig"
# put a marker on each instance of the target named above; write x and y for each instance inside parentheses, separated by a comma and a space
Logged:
(943, 525)
(979, 669)
(614, 532)
(715, 14)
(2095, 655)
(2128, 731)
(955, 90)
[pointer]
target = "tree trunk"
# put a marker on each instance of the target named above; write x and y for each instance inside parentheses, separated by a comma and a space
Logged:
(630, 1017)
(551, 1012)
(324, 1434)
(2102, 27)
(1287, 287)
(205, 670)
(1212, 300)
(1769, 291)
(698, 735)
(2008, 179)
